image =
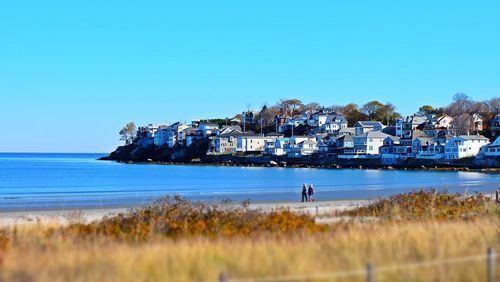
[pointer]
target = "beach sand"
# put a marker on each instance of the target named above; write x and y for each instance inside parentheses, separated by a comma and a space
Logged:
(63, 217)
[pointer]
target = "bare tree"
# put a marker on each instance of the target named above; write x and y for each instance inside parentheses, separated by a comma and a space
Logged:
(493, 105)
(128, 132)
(461, 104)
(463, 124)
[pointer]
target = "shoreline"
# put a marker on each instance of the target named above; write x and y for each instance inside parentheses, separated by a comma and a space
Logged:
(311, 166)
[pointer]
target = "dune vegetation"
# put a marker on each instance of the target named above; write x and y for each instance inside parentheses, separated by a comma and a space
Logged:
(177, 240)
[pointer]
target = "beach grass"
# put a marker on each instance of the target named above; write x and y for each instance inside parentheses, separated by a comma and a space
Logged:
(72, 253)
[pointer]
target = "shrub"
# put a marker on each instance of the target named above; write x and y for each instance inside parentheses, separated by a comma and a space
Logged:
(177, 217)
(427, 204)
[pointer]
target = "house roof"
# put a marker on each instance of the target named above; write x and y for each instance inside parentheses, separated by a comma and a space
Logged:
(233, 127)
(346, 138)
(335, 118)
(369, 123)
(350, 130)
(308, 142)
(418, 134)
(473, 137)
(391, 130)
(373, 134)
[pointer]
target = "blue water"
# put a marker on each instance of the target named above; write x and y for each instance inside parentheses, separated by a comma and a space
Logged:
(64, 181)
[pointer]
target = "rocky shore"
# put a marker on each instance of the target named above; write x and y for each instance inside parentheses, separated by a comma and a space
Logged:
(197, 156)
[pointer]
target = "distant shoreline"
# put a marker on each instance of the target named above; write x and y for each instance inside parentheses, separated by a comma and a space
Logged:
(312, 166)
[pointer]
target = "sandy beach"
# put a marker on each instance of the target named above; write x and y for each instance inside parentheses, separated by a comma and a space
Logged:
(63, 217)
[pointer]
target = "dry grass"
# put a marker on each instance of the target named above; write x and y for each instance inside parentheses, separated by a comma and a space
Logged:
(41, 253)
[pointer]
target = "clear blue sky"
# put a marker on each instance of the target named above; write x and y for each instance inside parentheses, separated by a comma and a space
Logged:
(73, 72)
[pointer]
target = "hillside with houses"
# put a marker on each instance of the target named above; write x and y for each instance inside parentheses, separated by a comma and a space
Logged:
(462, 133)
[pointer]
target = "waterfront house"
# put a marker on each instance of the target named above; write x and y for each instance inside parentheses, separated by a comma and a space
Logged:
(492, 150)
(387, 150)
(253, 143)
(145, 135)
(362, 127)
(228, 142)
(304, 148)
(344, 142)
(368, 143)
(160, 136)
(464, 146)
(192, 136)
(276, 147)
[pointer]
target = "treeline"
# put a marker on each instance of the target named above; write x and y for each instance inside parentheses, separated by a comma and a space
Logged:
(461, 109)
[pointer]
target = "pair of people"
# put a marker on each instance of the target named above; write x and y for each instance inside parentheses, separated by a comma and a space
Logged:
(307, 193)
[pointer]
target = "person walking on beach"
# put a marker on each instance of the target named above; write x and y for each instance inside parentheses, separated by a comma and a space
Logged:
(304, 193)
(310, 193)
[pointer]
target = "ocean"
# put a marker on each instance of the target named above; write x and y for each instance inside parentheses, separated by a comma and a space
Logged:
(31, 181)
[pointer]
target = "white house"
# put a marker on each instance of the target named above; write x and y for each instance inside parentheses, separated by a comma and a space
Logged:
(169, 135)
(464, 146)
(477, 121)
(253, 143)
(368, 143)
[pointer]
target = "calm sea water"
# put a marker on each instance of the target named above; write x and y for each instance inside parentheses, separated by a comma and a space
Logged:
(64, 181)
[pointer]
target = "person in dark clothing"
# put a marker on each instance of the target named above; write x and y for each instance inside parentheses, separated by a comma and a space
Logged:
(304, 193)
(310, 193)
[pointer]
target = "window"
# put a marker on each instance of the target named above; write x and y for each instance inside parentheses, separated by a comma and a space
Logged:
(370, 148)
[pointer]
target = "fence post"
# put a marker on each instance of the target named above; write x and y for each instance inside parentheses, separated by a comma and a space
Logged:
(317, 211)
(223, 277)
(369, 273)
(497, 196)
(489, 264)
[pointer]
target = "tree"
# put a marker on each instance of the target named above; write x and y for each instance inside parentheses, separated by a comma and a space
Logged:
(352, 113)
(372, 109)
(376, 110)
(426, 109)
(463, 124)
(493, 105)
(290, 106)
(128, 132)
(311, 107)
(461, 104)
